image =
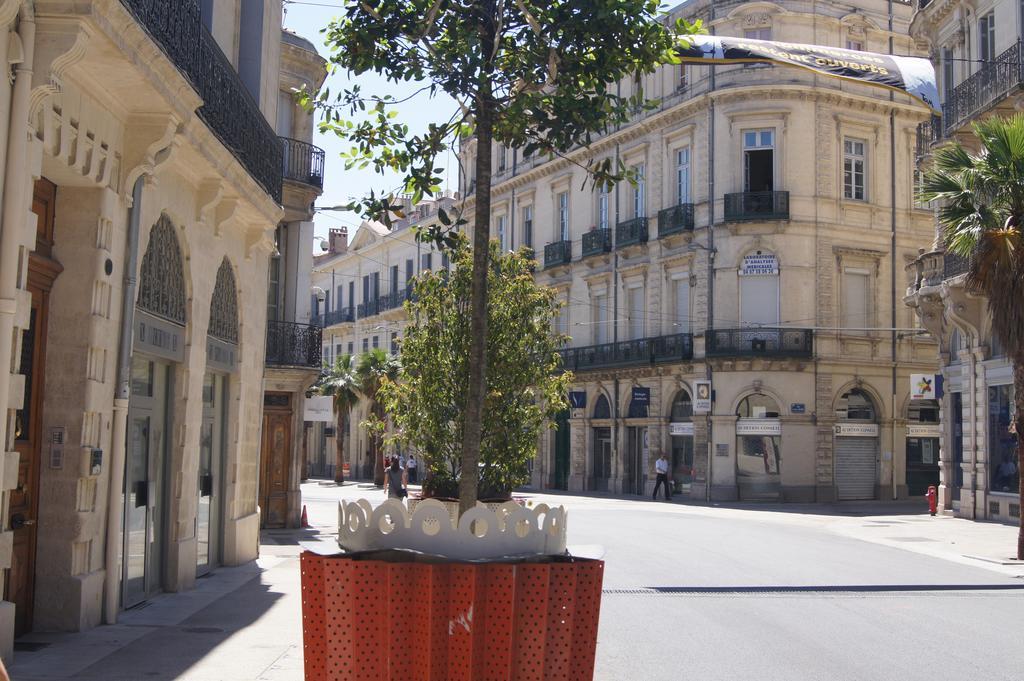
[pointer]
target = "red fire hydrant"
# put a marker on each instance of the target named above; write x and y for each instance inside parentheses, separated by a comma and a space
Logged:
(933, 499)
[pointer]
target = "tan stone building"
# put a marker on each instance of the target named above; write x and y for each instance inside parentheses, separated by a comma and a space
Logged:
(141, 191)
(976, 48)
(762, 250)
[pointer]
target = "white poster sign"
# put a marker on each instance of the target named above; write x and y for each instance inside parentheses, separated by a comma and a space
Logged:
(759, 265)
(683, 429)
(702, 397)
(759, 427)
(924, 430)
(857, 429)
(922, 386)
(318, 408)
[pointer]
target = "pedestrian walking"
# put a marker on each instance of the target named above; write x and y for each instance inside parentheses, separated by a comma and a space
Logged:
(661, 465)
(396, 481)
(410, 468)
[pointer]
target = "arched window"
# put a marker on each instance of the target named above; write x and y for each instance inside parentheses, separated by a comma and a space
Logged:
(224, 306)
(601, 408)
(856, 405)
(757, 407)
(759, 289)
(923, 411)
(682, 407)
(162, 280)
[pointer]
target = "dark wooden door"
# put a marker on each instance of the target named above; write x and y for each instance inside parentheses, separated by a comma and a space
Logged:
(275, 460)
(28, 431)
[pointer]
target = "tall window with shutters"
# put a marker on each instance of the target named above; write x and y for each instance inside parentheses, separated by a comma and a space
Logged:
(562, 201)
(683, 175)
(637, 312)
(856, 301)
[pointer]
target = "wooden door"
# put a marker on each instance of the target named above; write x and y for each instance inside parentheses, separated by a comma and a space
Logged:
(275, 460)
(28, 431)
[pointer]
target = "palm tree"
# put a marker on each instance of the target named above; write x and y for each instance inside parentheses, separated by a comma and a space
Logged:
(373, 367)
(982, 199)
(342, 384)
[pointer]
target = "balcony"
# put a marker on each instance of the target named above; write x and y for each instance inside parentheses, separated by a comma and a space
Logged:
(390, 301)
(675, 220)
(987, 86)
(557, 253)
(645, 351)
(368, 309)
(303, 162)
(928, 132)
(954, 265)
(596, 242)
(753, 206)
(228, 109)
(346, 314)
(293, 345)
(631, 232)
(760, 342)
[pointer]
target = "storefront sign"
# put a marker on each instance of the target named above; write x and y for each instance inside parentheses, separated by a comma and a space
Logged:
(683, 429)
(318, 408)
(759, 265)
(702, 397)
(925, 386)
(641, 396)
(856, 429)
(578, 399)
(798, 408)
(924, 430)
(759, 427)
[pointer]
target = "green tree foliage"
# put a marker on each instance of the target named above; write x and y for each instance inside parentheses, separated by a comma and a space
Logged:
(342, 385)
(373, 369)
(537, 76)
(525, 386)
(982, 207)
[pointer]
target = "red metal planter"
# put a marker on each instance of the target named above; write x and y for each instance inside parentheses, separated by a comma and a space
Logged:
(384, 617)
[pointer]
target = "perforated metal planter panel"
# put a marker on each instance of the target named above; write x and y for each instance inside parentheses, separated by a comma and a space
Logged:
(406, 621)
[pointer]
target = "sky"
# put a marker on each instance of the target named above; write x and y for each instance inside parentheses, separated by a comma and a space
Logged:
(307, 18)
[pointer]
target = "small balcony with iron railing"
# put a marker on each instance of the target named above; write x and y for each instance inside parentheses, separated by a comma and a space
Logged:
(368, 309)
(228, 109)
(393, 300)
(755, 206)
(345, 314)
(928, 133)
(631, 232)
(675, 220)
(303, 162)
(640, 352)
(759, 342)
(293, 345)
(954, 265)
(557, 253)
(596, 242)
(988, 86)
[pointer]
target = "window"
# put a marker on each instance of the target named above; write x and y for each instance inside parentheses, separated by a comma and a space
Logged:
(366, 345)
(337, 350)
(635, 306)
(501, 232)
(602, 206)
(274, 289)
(327, 355)
(338, 299)
(528, 226)
(947, 74)
(856, 305)
(757, 407)
(409, 273)
(987, 38)
(853, 169)
(855, 45)
(757, 34)
(639, 192)
(681, 302)
(855, 405)
(394, 342)
(425, 263)
(350, 347)
(366, 289)
(394, 281)
(759, 160)
(563, 216)
(1002, 444)
(759, 290)
(376, 342)
(683, 175)
(327, 302)
(444, 261)
(681, 82)
(599, 318)
(502, 157)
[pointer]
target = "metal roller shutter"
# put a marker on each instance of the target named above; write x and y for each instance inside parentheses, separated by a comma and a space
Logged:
(855, 467)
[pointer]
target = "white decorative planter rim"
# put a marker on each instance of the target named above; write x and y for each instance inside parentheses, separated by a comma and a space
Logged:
(509, 531)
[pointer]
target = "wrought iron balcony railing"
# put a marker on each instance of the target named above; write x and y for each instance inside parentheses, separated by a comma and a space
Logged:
(557, 253)
(293, 345)
(228, 109)
(954, 265)
(749, 206)
(631, 232)
(675, 220)
(759, 342)
(928, 132)
(674, 348)
(303, 162)
(368, 309)
(390, 301)
(597, 241)
(345, 314)
(990, 83)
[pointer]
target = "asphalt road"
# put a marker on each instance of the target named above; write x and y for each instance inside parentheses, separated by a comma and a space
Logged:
(705, 593)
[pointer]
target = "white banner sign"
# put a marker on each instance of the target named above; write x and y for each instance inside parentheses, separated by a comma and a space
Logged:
(759, 427)
(318, 408)
(922, 386)
(924, 430)
(759, 265)
(685, 428)
(702, 397)
(857, 429)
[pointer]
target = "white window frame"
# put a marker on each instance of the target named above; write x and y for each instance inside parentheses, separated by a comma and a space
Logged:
(986, 38)
(562, 202)
(855, 45)
(683, 176)
(640, 191)
(758, 146)
(603, 203)
(500, 229)
(855, 164)
(528, 226)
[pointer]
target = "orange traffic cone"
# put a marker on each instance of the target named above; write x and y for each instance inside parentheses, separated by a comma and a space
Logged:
(304, 520)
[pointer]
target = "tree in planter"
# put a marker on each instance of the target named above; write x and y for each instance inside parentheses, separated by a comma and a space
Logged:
(342, 385)
(982, 208)
(531, 75)
(372, 370)
(525, 386)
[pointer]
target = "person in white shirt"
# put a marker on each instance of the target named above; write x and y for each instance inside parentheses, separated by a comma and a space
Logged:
(661, 466)
(410, 466)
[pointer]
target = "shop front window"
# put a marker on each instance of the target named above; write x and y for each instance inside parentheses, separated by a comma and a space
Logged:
(1002, 444)
(681, 431)
(922, 446)
(758, 448)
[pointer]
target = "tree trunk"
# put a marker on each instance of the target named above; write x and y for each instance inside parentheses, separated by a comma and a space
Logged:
(476, 390)
(375, 448)
(1018, 419)
(339, 448)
